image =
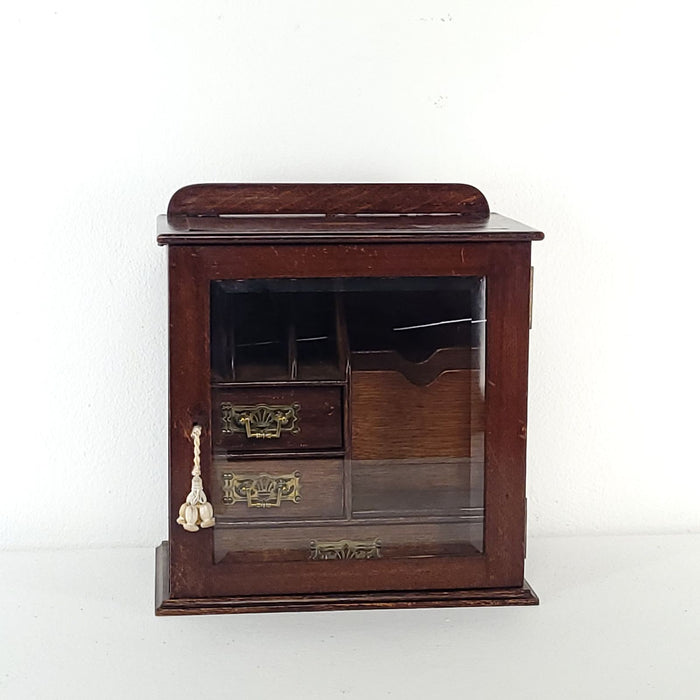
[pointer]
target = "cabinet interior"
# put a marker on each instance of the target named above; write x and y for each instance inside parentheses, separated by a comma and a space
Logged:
(387, 376)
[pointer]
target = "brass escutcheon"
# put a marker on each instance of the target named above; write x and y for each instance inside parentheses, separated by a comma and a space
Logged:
(346, 549)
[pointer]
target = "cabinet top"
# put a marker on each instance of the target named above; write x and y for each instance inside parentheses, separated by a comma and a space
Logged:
(212, 214)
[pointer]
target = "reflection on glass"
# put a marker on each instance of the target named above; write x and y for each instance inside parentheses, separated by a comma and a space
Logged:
(348, 418)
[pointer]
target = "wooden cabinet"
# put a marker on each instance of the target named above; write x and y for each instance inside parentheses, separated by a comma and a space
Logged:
(348, 399)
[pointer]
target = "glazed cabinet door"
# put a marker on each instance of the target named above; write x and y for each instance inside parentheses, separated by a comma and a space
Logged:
(358, 432)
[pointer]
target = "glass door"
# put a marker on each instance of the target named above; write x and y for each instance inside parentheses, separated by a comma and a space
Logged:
(348, 418)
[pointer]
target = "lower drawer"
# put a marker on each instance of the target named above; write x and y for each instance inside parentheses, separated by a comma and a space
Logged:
(321, 543)
(277, 489)
(417, 487)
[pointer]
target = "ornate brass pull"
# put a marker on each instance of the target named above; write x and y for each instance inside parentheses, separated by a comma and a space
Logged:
(260, 490)
(260, 421)
(346, 549)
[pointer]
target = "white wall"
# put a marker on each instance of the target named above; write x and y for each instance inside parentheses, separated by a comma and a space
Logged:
(578, 118)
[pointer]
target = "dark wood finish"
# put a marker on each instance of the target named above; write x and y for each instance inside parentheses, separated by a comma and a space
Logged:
(266, 335)
(412, 486)
(395, 419)
(344, 365)
(296, 549)
(378, 259)
(292, 356)
(293, 543)
(235, 456)
(484, 597)
(386, 519)
(418, 373)
(506, 265)
(209, 571)
(189, 404)
(276, 384)
(321, 489)
(320, 418)
(411, 229)
(203, 207)
(341, 334)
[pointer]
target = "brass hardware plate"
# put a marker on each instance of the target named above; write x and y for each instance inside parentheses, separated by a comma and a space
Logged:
(532, 284)
(260, 421)
(260, 490)
(346, 549)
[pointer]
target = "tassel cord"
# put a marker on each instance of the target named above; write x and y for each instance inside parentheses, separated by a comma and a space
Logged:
(196, 511)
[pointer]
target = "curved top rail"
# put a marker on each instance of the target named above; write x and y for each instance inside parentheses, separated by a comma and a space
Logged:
(220, 206)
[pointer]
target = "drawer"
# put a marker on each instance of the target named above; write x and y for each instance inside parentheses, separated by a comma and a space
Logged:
(417, 487)
(285, 418)
(320, 544)
(277, 489)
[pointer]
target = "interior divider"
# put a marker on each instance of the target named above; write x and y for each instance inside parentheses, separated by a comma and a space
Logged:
(292, 350)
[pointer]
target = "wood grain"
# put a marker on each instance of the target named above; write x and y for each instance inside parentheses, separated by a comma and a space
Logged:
(290, 543)
(373, 600)
(198, 207)
(412, 486)
(320, 486)
(324, 230)
(341, 243)
(395, 419)
(320, 418)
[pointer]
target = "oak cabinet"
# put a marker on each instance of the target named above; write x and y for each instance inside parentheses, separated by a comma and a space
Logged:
(348, 399)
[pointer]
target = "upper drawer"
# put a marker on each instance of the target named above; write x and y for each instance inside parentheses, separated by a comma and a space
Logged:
(277, 418)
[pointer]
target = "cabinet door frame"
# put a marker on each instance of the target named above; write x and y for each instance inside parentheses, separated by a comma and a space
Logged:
(506, 265)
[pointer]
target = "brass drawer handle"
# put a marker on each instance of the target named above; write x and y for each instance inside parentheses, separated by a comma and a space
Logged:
(259, 421)
(260, 490)
(346, 549)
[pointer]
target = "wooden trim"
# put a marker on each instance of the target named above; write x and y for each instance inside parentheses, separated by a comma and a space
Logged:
(399, 229)
(506, 417)
(375, 260)
(203, 206)
(190, 403)
(485, 597)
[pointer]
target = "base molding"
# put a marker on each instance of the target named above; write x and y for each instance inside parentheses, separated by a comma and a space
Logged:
(472, 597)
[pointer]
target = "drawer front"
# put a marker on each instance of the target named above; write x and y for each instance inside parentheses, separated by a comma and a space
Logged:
(277, 419)
(443, 486)
(336, 542)
(277, 489)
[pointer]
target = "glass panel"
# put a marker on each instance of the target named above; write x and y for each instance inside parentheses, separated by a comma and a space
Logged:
(348, 417)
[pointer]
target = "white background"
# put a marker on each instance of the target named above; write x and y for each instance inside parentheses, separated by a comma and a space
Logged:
(577, 118)
(615, 623)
